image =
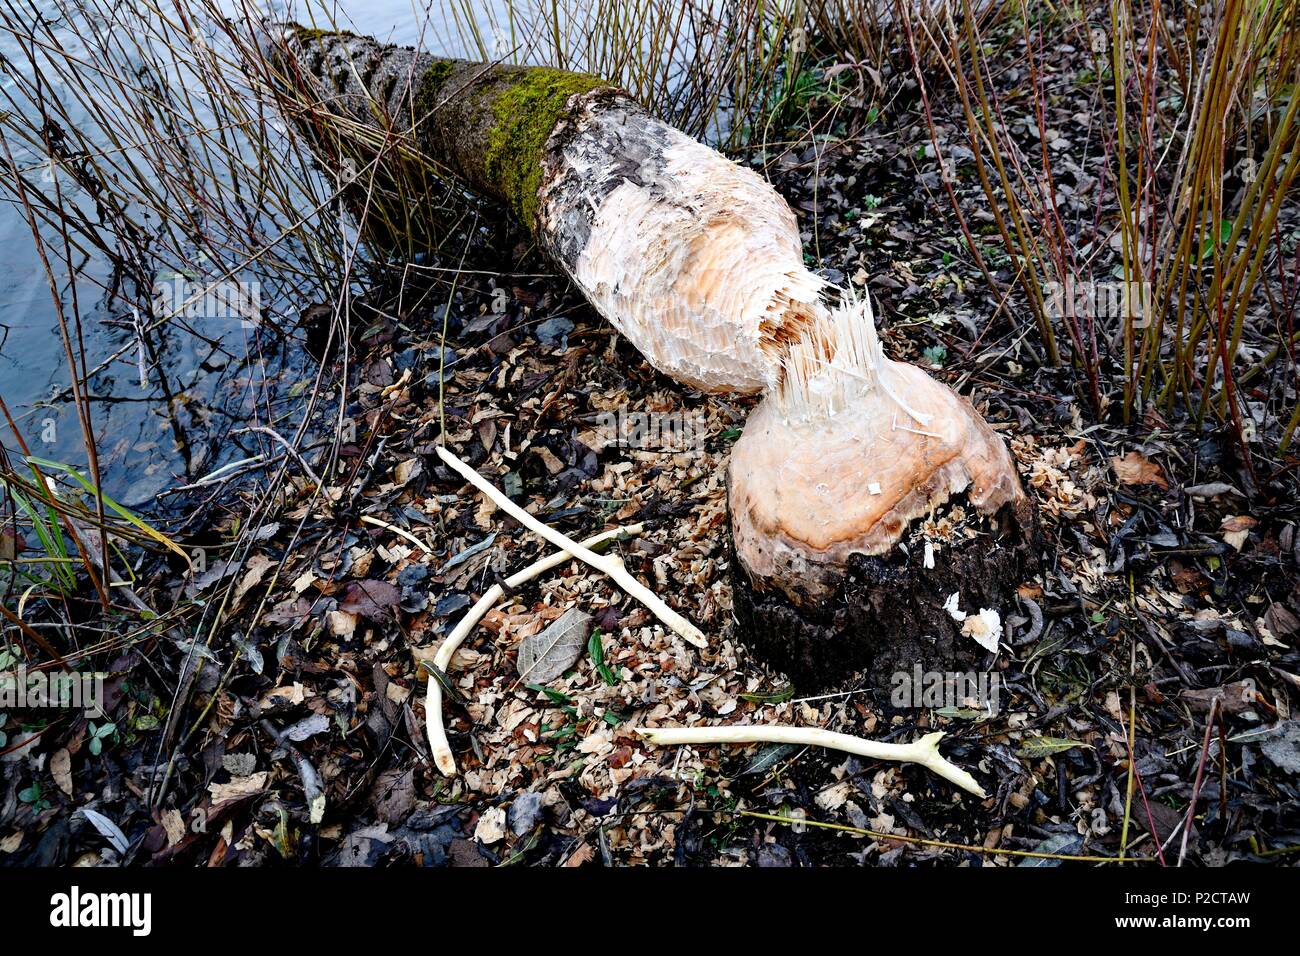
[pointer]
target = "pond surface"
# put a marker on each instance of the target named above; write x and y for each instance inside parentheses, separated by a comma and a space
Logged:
(170, 428)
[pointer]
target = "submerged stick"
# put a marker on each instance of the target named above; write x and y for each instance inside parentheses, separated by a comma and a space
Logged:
(438, 743)
(924, 751)
(610, 565)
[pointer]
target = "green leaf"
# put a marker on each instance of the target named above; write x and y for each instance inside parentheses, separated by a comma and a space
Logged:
(1060, 843)
(1043, 746)
(112, 505)
(776, 697)
(597, 651)
(767, 758)
(1210, 243)
(96, 746)
(557, 697)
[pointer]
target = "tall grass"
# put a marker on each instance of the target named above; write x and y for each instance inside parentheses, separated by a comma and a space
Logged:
(710, 68)
(132, 135)
(1192, 137)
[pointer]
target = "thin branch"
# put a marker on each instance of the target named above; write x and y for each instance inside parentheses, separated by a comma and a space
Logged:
(610, 565)
(924, 751)
(438, 743)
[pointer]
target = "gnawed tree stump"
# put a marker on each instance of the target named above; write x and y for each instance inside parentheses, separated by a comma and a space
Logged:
(698, 262)
(885, 613)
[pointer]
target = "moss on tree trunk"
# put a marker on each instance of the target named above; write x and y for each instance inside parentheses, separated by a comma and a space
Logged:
(487, 124)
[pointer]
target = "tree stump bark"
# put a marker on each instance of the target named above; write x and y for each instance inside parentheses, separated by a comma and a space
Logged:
(886, 614)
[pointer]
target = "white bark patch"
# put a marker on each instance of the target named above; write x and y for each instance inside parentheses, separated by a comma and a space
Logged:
(692, 264)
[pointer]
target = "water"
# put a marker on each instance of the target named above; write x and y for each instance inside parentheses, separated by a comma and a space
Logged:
(175, 427)
(202, 377)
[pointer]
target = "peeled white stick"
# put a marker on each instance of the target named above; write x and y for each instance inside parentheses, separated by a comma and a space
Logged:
(438, 743)
(611, 565)
(924, 751)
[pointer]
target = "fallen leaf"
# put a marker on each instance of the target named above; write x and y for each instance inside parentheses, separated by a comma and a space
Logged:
(1235, 698)
(393, 796)
(1062, 844)
(545, 656)
(1136, 468)
(1282, 746)
(290, 612)
(406, 470)
(255, 569)
(469, 553)
(61, 769)
(1281, 621)
(109, 830)
(372, 599)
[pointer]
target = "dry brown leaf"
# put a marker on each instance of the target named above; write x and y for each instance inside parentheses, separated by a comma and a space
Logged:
(1136, 468)
(406, 470)
(373, 599)
(1236, 529)
(61, 769)
(1281, 621)
(545, 655)
(254, 570)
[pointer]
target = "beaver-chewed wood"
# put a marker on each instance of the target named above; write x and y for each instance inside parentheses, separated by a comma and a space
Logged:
(694, 258)
(886, 614)
(699, 263)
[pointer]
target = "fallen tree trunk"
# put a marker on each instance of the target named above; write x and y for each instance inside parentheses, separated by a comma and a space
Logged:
(698, 262)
